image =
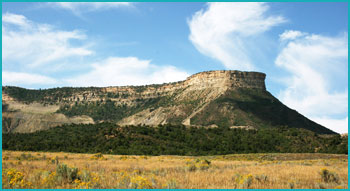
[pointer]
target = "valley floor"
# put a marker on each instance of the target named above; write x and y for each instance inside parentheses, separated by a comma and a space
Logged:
(253, 171)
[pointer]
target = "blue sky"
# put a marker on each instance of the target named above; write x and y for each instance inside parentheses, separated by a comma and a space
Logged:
(302, 47)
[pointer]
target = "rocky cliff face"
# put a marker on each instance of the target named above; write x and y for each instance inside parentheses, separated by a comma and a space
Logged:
(220, 80)
(213, 98)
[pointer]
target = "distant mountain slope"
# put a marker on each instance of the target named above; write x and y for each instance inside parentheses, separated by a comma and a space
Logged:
(212, 99)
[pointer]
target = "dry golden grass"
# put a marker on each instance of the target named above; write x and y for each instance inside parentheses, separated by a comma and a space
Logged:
(262, 171)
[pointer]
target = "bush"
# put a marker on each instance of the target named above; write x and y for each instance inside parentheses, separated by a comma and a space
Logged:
(25, 156)
(97, 156)
(139, 182)
(65, 173)
(87, 180)
(261, 178)
(12, 178)
(243, 181)
(48, 179)
(193, 165)
(171, 184)
(53, 160)
(203, 164)
(291, 184)
(328, 176)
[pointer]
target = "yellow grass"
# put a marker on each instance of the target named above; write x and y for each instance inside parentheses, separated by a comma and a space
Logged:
(261, 171)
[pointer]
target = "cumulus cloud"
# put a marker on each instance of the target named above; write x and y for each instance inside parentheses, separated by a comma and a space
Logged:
(79, 7)
(30, 44)
(222, 30)
(316, 65)
(20, 78)
(291, 35)
(119, 71)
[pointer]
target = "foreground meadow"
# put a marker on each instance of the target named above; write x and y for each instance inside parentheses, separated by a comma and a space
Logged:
(262, 171)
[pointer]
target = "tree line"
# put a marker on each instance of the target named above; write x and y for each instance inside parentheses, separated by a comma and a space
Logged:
(109, 138)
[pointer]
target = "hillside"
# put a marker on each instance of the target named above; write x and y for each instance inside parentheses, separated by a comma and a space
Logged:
(168, 139)
(208, 99)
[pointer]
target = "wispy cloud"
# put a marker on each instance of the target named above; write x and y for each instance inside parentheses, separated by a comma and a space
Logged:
(21, 78)
(222, 31)
(119, 71)
(30, 49)
(291, 35)
(316, 65)
(81, 7)
(19, 20)
(29, 44)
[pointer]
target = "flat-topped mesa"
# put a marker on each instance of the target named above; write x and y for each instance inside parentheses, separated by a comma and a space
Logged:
(227, 78)
(210, 79)
(213, 82)
(206, 99)
(218, 79)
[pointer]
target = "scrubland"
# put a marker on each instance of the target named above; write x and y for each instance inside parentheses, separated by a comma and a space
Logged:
(253, 171)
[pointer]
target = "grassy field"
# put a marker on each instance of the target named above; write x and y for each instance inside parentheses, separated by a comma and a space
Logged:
(67, 170)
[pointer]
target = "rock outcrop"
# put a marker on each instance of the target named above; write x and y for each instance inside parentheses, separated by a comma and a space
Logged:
(221, 80)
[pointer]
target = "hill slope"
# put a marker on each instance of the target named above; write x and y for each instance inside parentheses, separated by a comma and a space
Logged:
(173, 139)
(216, 98)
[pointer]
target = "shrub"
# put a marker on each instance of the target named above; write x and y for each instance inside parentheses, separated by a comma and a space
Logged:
(123, 180)
(320, 186)
(25, 156)
(98, 156)
(328, 176)
(143, 157)
(171, 184)
(52, 160)
(133, 180)
(123, 158)
(203, 164)
(139, 182)
(87, 180)
(48, 179)
(65, 173)
(193, 165)
(261, 178)
(12, 178)
(291, 184)
(243, 181)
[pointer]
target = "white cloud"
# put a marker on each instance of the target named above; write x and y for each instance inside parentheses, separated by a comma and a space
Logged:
(223, 29)
(20, 78)
(33, 45)
(291, 35)
(317, 64)
(337, 125)
(119, 71)
(32, 51)
(79, 7)
(19, 20)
